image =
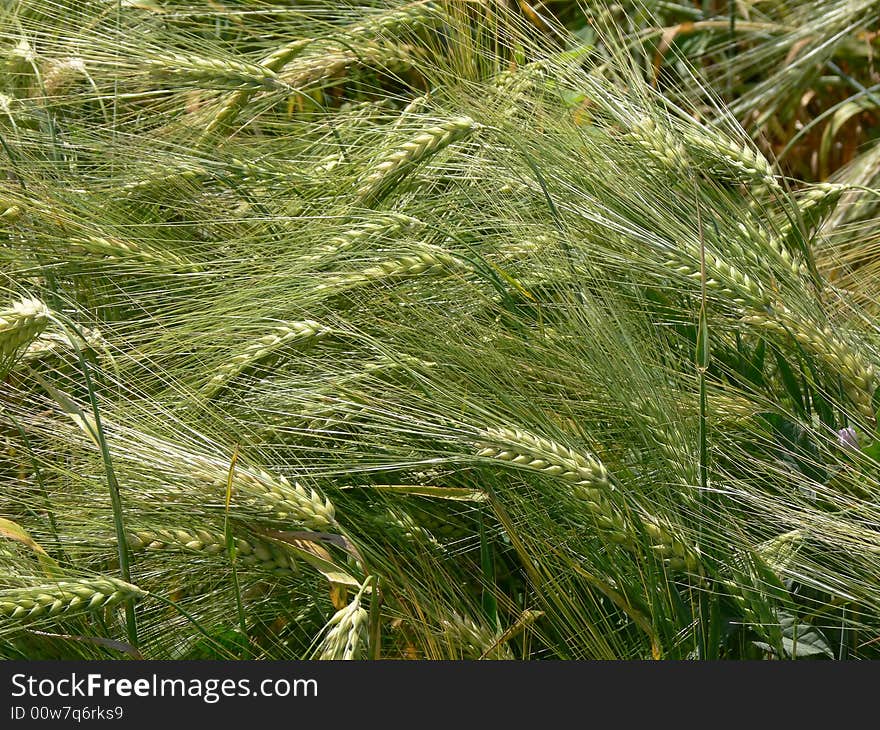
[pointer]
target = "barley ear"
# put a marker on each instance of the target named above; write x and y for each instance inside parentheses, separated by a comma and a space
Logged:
(20, 325)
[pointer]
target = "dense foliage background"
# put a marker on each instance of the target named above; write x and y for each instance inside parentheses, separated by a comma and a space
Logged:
(446, 329)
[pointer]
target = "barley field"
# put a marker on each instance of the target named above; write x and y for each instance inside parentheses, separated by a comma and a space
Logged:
(448, 329)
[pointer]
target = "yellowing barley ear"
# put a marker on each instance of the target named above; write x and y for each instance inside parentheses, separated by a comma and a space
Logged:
(64, 598)
(346, 635)
(392, 167)
(61, 73)
(20, 325)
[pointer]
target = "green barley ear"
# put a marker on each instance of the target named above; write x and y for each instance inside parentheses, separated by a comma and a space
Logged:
(728, 158)
(591, 485)
(226, 72)
(64, 598)
(305, 331)
(269, 493)
(391, 168)
(232, 106)
(250, 552)
(585, 474)
(661, 144)
(473, 640)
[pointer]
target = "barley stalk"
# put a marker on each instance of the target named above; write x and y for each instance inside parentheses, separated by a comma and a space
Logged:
(392, 167)
(291, 332)
(65, 598)
(20, 325)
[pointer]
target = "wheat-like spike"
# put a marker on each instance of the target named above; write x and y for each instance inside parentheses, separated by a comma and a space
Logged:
(760, 309)
(347, 632)
(52, 343)
(394, 166)
(411, 530)
(660, 143)
(541, 454)
(303, 331)
(236, 101)
(817, 201)
(585, 473)
(323, 65)
(250, 553)
(115, 249)
(199, 68)
(473, 640)
(269, 493)
(414, 16)
(746, 162)
(20, 66)
(859, 376)
(139, 188)
(722, 278)
(778, 552)
(21, 324)
(426, 262)
(11, 210)
(373, 46)
(764, 243)
(65, 598)
(390, 225)
(591, 484)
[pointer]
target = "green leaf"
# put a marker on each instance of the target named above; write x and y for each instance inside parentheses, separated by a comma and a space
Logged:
(799, 639)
